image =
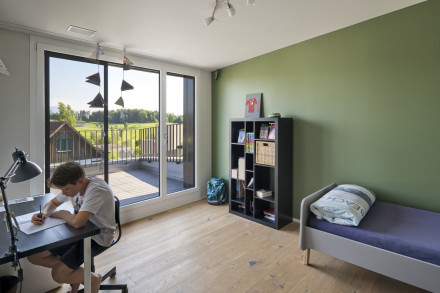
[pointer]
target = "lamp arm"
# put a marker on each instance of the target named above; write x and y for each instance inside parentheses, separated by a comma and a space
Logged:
(5, 179)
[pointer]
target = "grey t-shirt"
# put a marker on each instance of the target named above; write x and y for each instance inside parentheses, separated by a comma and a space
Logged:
(99, 201)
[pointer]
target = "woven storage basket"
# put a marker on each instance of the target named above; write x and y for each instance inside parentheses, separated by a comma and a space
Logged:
(265, 153)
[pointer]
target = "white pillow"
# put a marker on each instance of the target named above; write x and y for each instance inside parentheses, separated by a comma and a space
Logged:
(345, 204)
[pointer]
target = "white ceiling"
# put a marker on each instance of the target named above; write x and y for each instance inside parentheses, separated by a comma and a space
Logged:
(174, 30)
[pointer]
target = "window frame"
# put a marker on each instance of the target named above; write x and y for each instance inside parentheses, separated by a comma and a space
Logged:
(40, 44)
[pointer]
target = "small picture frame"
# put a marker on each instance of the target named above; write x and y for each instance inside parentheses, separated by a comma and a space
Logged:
(241, 136)
(253, 105)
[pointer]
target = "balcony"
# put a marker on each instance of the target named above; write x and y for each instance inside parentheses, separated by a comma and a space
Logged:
(133, 158)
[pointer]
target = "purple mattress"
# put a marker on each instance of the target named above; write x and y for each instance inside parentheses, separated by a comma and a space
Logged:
(408, 231)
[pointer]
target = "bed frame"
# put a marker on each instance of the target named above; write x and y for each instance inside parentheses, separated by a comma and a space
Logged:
(406, 269)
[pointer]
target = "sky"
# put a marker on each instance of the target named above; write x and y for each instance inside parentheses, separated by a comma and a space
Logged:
(68, 85)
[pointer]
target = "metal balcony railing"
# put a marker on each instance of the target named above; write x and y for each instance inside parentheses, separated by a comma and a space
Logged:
(87, 147)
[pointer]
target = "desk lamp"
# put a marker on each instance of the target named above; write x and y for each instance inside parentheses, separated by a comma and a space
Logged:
(21, 170)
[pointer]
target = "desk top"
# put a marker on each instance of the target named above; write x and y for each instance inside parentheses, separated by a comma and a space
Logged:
(43, 240)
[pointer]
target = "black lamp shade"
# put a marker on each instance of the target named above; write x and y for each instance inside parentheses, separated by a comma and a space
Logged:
(25, 171)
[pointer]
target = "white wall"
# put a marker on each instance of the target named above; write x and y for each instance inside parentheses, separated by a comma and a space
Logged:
(14, 104)
(22, 53)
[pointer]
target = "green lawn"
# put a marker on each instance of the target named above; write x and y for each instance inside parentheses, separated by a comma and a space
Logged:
(115, 126)
(92, 132)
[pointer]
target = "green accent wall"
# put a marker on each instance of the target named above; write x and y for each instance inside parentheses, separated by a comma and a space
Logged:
(365, 102)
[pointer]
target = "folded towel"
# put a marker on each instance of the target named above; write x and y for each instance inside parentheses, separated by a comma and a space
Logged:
(346, 204)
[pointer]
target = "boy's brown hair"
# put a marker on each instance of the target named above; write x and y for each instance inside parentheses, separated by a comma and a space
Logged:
(67, 173)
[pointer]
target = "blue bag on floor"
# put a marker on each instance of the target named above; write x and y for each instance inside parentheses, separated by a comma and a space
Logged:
(216, 191)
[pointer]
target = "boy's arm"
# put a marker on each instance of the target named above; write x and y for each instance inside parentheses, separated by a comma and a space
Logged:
(76, 221)
(50, 206)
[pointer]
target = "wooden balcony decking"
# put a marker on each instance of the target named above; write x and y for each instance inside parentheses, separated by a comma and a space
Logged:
(132, 186)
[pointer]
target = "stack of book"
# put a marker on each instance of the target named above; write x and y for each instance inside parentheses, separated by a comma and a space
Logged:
(264, 193)
(269, 215)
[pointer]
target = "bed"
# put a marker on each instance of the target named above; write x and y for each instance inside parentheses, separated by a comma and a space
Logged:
(396, 241)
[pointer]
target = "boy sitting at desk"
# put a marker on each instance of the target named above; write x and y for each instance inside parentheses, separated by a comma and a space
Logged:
(93, 200)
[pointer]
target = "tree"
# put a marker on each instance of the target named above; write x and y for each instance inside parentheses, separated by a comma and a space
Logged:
(66, 114)
(179, 119)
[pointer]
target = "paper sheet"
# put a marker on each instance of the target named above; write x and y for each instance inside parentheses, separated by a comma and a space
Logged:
(27, 227)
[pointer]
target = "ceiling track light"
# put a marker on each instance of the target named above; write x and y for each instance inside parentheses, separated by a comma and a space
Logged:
(229, 8)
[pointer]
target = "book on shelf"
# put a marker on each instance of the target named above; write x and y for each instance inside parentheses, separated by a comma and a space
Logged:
(269, 211)
(251, 183)
(269, 214)
(250, 142)
(240, 189)
(241, 168)
(264, 193)
(270, 218)
(264, 131)
(234, 173)
(241, 136)
(271, 131)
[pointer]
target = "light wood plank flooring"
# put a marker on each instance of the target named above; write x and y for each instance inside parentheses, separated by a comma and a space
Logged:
(203, 248)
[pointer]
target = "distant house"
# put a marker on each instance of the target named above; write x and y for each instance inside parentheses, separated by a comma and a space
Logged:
(67, 144)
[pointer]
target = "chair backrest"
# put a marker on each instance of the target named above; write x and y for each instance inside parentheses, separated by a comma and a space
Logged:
(118, 221)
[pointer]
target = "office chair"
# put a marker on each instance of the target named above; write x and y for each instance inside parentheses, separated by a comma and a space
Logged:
(112, 272)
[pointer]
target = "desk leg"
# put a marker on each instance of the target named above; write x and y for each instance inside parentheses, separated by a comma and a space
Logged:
(87, 264)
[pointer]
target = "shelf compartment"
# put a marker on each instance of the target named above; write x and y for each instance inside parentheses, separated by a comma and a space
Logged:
(264, 178)
(237, 207)
(265, 153)
(235, 130)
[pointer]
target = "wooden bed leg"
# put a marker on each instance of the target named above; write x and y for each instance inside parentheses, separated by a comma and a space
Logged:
(306, 256)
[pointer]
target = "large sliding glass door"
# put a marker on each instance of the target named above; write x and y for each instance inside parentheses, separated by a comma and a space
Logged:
(74, 132)
(133, 133)
(119, 139)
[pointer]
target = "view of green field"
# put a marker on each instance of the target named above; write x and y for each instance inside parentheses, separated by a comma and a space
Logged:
(113, 126)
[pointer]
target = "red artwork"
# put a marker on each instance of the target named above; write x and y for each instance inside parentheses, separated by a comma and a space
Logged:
(253, 105)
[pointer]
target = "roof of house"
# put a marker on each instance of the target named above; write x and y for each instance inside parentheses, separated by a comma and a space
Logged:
(55, 126)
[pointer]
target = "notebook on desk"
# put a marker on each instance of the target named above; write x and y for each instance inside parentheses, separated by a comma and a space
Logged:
(26, 226)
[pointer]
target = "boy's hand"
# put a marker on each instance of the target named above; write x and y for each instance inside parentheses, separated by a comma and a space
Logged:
(38, 219)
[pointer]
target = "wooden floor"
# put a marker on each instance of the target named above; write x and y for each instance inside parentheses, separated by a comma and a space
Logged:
(203, 248)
